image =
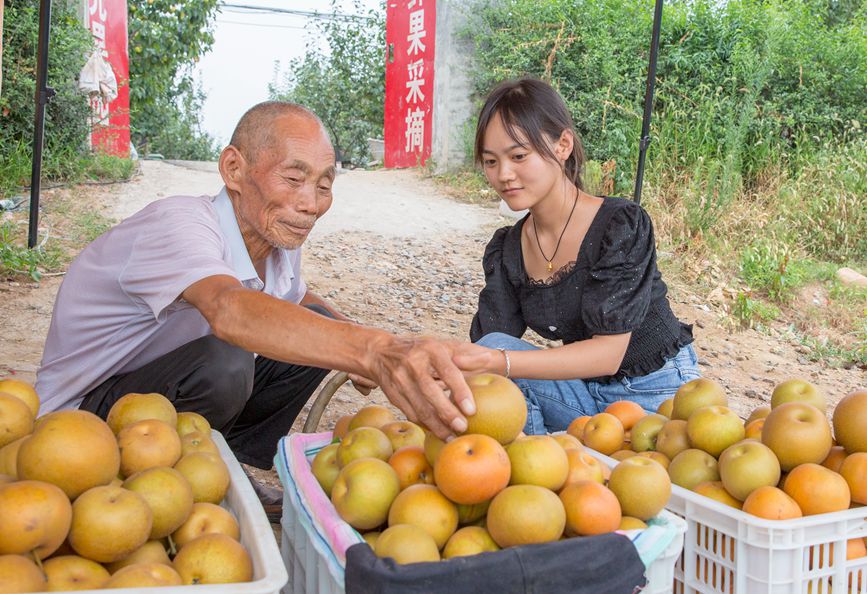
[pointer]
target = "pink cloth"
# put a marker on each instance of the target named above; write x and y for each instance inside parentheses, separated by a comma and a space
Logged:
(299, 450)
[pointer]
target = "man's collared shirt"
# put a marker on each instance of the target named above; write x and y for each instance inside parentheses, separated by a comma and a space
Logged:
(120, 307)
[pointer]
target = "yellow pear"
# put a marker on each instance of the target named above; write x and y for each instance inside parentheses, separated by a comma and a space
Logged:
(207, 474)
(364, 491)
(9, 457)
(153, 551)
(144, 575)
(109, 523)
(196, 441)
(137, 407)
(214, 559)
(23, 391)
(34, 517)
(20, 574)
(469, 540)
(406, 543)
(373, 415)
(73, 449)
(16, 420)
(168, 494)
(426, 507)
(207, 518)
(147, 444)
(189, 421)
(324, 467)
(71, 572)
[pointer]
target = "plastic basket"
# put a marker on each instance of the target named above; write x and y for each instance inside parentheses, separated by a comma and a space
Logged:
(727, 551)
(269, 574)
(315, 539)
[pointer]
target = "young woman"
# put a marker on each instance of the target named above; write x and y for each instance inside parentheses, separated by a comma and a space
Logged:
(577, 268)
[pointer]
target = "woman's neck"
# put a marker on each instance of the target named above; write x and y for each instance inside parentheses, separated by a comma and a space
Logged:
(550, 214)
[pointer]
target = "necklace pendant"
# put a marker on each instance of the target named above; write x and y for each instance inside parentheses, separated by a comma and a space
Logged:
(550, 266)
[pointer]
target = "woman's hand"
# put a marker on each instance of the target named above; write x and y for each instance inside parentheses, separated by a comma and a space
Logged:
(481, 360)
(362, 384)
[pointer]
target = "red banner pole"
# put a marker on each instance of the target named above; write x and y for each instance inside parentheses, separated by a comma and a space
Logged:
(107, 21)
(410, 33)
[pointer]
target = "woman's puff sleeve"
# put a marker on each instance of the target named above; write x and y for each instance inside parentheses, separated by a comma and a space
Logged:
(499, 308)
(618, 291)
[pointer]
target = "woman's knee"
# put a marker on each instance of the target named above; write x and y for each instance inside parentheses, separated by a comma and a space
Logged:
(501, 340)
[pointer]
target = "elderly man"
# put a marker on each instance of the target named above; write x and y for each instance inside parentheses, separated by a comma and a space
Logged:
(201, 299)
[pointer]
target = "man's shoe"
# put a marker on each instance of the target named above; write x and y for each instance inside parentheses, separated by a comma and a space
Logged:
(270, 497)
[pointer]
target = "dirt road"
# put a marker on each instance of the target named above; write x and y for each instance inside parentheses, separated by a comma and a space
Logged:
(395, 253)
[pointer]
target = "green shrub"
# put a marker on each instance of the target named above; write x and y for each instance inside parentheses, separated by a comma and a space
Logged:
(823, 205)
(17, 259)
(66, 126)
(740, 83)
(752, 312)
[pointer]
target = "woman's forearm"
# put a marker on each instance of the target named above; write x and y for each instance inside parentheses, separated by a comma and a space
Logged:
(598, 356)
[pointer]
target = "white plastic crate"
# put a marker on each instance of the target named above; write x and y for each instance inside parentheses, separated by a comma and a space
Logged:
(311, 562)
(307, 572)
(727, 551)
(269, 573)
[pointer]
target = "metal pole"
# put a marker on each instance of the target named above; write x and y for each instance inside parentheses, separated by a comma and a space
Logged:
(648, 100)
(43, 96)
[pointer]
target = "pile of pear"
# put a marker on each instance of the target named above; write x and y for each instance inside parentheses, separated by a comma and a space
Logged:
(132, 501)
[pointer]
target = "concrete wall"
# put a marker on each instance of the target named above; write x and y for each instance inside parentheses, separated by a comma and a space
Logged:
(453, 110)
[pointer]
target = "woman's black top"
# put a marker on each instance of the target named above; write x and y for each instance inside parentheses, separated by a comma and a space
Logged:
(612, 287)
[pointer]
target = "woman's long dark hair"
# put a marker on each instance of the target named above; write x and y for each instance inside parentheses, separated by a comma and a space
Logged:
(531, 109)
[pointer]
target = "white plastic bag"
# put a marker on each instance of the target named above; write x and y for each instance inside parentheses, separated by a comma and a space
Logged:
(97, 78)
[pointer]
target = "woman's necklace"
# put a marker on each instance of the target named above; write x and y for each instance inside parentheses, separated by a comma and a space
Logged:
(550, 260)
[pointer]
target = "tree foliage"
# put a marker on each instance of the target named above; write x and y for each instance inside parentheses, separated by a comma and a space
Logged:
(739, 83)
(166, 38)
(343, 84)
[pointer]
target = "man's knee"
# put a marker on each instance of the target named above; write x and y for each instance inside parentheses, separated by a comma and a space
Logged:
(321, 310)
(225, 374)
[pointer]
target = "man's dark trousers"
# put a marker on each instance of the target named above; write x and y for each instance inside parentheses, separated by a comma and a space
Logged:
(252, 401)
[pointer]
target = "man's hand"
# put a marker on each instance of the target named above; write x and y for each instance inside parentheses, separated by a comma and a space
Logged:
(419, 376)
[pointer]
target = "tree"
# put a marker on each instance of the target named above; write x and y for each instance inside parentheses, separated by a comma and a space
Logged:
(166, 38)
(345, 85)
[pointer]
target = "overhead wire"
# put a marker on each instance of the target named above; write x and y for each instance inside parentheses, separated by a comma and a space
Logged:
(265, 25)
(293, 11)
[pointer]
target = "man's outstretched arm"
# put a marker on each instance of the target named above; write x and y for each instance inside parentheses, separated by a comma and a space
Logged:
(406, 368)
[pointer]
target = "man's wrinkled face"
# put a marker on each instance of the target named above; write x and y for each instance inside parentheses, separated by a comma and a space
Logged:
(286, 187)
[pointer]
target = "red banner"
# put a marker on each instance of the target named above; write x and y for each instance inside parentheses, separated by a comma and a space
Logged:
(108, 24)
(410, 31)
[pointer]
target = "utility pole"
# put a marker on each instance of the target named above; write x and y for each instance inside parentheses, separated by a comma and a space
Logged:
(44, 93)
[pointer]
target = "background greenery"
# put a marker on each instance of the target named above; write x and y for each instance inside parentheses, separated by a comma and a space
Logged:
(342, 79)
(166, 39)
(65, 115)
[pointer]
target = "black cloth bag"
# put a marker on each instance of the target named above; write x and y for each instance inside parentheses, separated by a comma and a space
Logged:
(604, 564)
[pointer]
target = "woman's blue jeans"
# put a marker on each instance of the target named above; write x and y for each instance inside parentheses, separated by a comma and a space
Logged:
(553, 404)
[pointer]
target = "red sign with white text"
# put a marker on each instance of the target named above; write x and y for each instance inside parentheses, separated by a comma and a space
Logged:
(410, 31)
(108, 24)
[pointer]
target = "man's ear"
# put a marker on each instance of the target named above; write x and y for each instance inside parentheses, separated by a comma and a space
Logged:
(564, 145)
(232, 167)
